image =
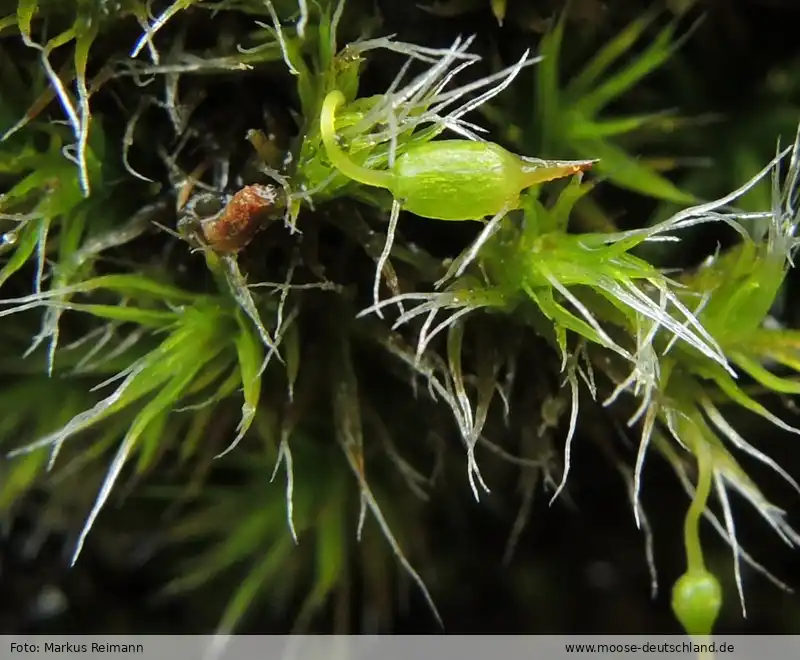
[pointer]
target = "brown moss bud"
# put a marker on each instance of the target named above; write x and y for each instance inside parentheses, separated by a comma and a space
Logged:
(247, 212)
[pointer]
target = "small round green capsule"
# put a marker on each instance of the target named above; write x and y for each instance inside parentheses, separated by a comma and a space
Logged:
(697, 594)
(448, 179)
(696, 601)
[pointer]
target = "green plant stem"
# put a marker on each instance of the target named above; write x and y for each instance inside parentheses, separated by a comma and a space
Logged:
(694, 552)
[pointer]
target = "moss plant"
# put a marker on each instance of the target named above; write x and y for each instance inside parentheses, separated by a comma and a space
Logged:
(170, 281)
(572, 120)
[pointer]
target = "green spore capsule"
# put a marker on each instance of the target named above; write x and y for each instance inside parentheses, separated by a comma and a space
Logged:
(477, 180)
(448, 179)
(697, 594)
(696, 601)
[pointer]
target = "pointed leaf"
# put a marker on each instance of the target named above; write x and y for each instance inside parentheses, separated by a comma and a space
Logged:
(629, 173)
(610, 53)
(651, 59)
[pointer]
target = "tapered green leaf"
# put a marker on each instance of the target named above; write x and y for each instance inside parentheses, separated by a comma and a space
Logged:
(659, 51)
(601, 129)
(621, 44)
(548, 92)
(272, 563)
(629, 173)
(27, 238)
(764, 376)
